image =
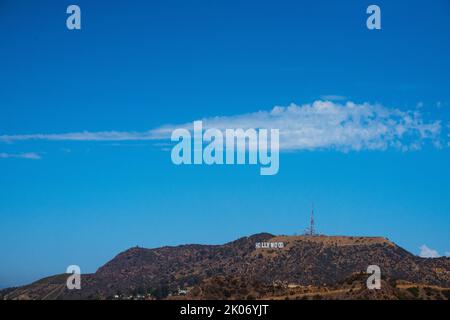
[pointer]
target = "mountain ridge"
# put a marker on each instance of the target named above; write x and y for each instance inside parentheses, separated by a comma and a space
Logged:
(302, 261)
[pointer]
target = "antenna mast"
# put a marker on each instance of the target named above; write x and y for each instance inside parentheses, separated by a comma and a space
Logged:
(312, 230)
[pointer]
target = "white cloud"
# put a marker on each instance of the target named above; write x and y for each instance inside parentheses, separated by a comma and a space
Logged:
(344, 127)
(322, 125)
(28, 155)
(426, 252)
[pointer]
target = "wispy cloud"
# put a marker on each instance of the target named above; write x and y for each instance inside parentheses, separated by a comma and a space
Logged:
(83, 136)
(28, 155)
(321, 125)
(333, 97)
(426, 252)
(448, 135)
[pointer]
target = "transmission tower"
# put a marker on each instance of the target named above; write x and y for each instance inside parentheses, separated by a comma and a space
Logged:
(311, 230)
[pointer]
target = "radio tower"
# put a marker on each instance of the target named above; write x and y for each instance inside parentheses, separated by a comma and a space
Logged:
(312, 230)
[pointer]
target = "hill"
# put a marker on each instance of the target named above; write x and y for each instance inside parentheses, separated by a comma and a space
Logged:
(303, 267)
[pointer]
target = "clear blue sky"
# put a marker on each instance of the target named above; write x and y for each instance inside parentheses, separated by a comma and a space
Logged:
(137, 65)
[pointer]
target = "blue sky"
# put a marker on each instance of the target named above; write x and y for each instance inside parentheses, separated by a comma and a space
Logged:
(136, 66)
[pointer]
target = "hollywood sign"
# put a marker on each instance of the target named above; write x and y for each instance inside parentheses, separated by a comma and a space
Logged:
(269, 245)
